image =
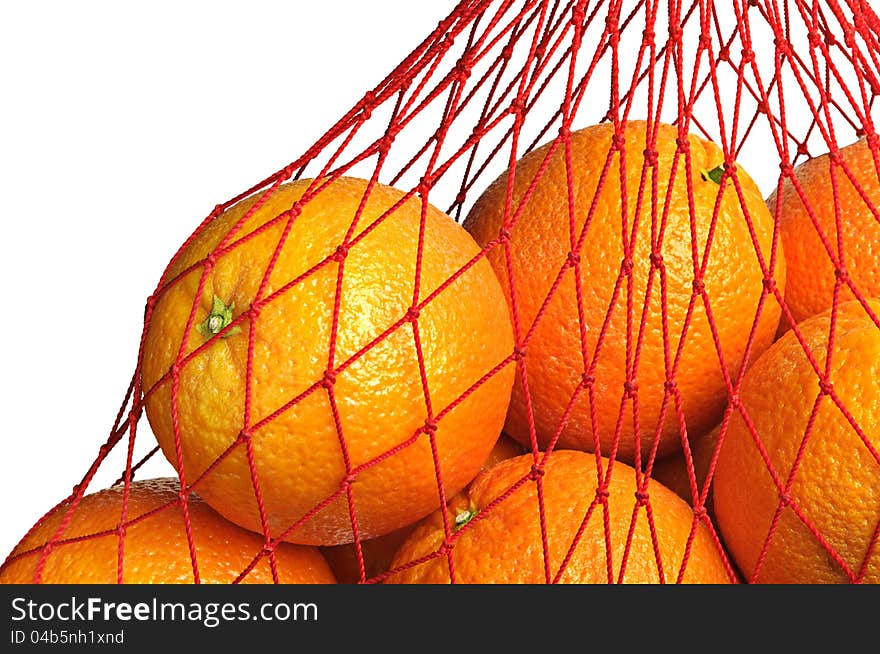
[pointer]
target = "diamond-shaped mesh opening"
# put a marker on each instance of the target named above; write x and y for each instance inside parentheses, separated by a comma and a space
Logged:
(503, 90)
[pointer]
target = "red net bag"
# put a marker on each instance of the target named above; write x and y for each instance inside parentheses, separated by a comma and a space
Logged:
(579, 293)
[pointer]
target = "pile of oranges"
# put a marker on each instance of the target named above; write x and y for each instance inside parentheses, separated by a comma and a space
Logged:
(626, 365)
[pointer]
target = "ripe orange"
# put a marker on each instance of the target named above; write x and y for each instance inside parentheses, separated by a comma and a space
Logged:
(833, 493)
(280, 338)
(811, 266)
(155, 547)
(378, 552)
(608, 378)
(504, 543)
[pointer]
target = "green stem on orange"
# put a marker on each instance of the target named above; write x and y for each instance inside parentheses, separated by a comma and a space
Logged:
(715, 174)
(218, 319)
(463, 517)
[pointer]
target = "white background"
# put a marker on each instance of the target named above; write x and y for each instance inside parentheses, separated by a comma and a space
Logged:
(121, 126)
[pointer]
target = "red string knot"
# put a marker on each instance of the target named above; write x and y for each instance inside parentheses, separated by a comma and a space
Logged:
(578, 14)
(565, 132)
(368, 103)
(602, 494)
(656, 259)
(210, 261)
(426, 183)
(670, 386)
(748, 55)
(254, 311)
(340, 253)
(540, 50)
(834, 157)
(783, 47)
(630, 387)
(814, 38)
(626, 266)
(504, 235)
(519, 354)
(617, 141)
(218, 209)
(784, 499)
(763, 107)
(786, 168)
(641, 497)
(769, 284)
(802, 148)
(729, 166)
(675, 32)
(462, 71)
(517, 106)
(507, 51)
(872, 140)
(412, 314)
(537, 471)
(244, 436)
(841, 274)
(699, 285)
(587, 380)
(683, 144)
(349, 479)
(572, 259)
(734, 401)
(705, 41)
(461, 197)
(700, 512)
(268, 549)
(831, 42)
(430, 427)
(648, 36)
(724, 54)
(328, 379)
(650, 156)
(826, 387)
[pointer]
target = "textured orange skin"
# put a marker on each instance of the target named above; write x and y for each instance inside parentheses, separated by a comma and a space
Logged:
(811, 277)
(539, 245)
(505, 546)
(156, 547)
(379, 552)
(465, 331)
(837, 485)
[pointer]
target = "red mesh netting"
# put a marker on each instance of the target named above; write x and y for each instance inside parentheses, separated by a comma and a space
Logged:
(624, 170)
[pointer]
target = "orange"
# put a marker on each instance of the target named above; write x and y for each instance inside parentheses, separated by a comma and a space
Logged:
(155, 546)
(377, 553)
(562, 361)
(818, 183)
(503, 542)
(280, 337)
(828, 500)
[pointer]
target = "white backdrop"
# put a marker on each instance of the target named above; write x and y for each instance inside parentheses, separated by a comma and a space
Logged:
(121, 126)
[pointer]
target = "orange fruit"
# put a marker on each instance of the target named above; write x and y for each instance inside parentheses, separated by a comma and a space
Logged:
(827, 472)
(564, 364)
(279, 336)
(817, 184)
(377, 553)
(155, 546)
(503, 542)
